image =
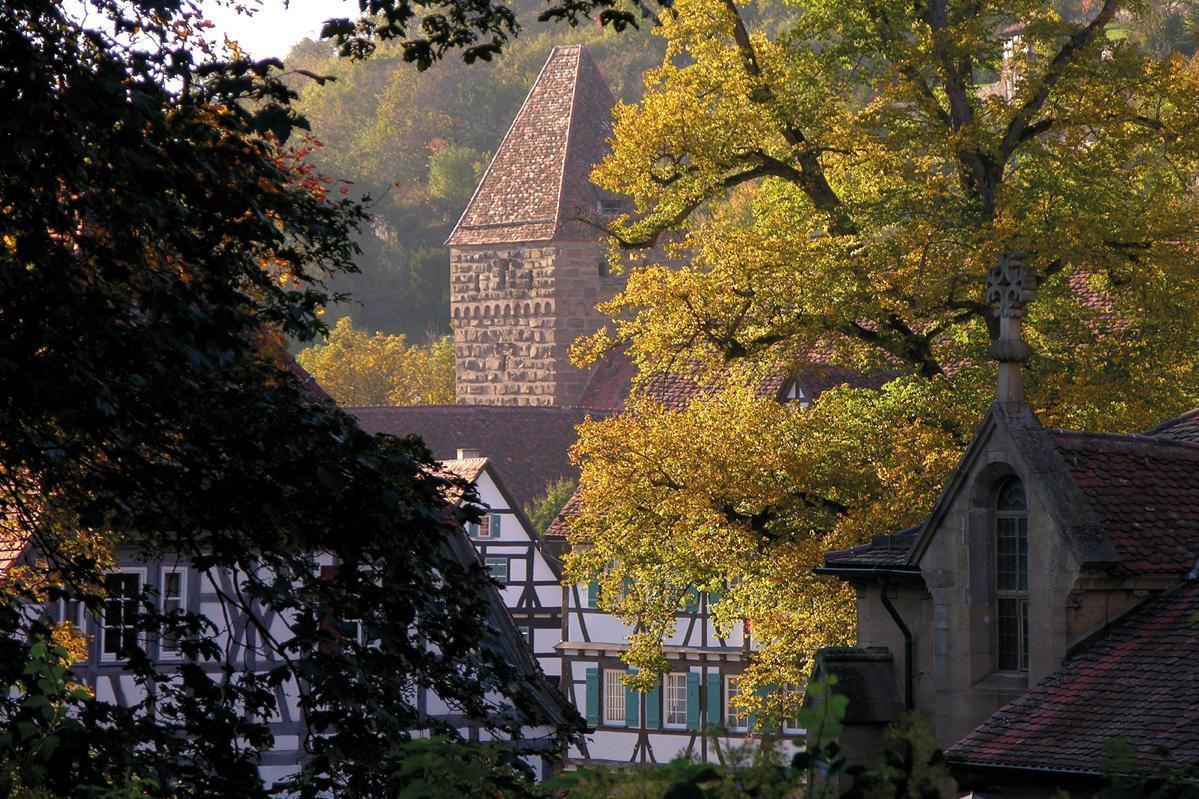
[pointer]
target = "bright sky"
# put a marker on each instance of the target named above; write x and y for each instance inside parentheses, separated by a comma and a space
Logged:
(276, 25)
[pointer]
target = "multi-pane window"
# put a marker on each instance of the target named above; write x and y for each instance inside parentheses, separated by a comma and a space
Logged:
(481, 528)
(173, 593)
(674, 700)
(793, 699)
(1011, 577)
(487, 527)
(614, 697)
(72, 610)
(119, 631)
(734, 717)
(498, 569)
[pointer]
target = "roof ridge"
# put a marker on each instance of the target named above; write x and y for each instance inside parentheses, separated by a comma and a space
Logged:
(455, 406)
(1135, 438)
(1186, 416)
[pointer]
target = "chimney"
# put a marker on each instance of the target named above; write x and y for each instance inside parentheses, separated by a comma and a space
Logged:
(468, 452)
(1011, 285)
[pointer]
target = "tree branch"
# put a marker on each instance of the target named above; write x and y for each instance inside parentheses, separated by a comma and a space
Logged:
(812, 180)
(1079, 41)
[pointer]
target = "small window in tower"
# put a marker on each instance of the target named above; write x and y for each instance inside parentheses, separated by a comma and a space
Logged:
(609, 207)
(605, 271)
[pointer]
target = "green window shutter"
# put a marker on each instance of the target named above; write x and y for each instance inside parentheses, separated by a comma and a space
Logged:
(632, 711)
(713, 599)
(593, 697)
(693, 700)
(593, 594)
(653, 707)
(715, 694)
(494, 531)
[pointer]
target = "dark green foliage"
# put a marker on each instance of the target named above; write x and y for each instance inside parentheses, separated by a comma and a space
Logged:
(443, 768)
(543, 509)
(153, 231)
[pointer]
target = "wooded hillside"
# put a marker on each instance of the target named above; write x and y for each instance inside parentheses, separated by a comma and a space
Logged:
(418, 142)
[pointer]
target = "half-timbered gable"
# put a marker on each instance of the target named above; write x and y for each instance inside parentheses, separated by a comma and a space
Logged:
(514, 556)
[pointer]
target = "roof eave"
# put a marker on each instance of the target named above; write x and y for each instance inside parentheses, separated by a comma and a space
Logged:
(862, 572)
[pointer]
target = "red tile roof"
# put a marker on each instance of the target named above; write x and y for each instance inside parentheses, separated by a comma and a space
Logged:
(609, 383)
(537, 186)
(527, 444)
(1182, 428)
(1137, 681)
(612, 378)
(1138, 497)
(560, 526)
(312, 388)
(1145, 493)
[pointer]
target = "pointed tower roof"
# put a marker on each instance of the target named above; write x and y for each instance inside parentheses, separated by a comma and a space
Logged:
(536, 187)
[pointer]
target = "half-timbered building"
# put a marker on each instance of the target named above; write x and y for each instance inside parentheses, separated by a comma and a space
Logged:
(687, 714)
(246, 629)
(513, 555)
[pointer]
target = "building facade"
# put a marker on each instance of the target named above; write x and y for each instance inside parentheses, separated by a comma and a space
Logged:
(1043, 609)
(512, 553)
(687, 715)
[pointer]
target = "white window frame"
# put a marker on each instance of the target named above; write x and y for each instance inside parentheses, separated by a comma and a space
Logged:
(734, 720)
(63, 615)
(674, 700)
(496, 559)
(791, 723)
(142, 575)
(614, 695)
(165, 648)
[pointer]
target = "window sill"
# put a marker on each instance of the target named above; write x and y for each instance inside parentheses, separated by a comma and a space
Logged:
(1003, 682)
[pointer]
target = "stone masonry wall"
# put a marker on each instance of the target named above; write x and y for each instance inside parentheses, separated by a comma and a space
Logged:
(516, 310)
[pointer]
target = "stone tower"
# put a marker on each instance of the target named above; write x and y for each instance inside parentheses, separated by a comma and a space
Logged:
(526, 269)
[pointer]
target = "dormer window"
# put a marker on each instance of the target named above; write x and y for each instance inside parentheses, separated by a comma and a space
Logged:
(1011, 576)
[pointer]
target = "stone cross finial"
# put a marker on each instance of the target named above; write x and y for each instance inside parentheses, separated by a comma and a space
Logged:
(1011, 285)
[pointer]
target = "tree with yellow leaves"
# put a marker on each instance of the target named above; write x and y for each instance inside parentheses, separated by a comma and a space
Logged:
(383, 369)
(840, 190)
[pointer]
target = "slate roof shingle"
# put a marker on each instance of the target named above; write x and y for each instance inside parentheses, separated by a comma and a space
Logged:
(1182, 428)
(1103, 692)
(883, 551)
(528, 444)
(536, 187)
(1145, 492)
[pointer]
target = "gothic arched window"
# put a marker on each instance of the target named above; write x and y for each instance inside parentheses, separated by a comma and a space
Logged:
(1011, 576)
